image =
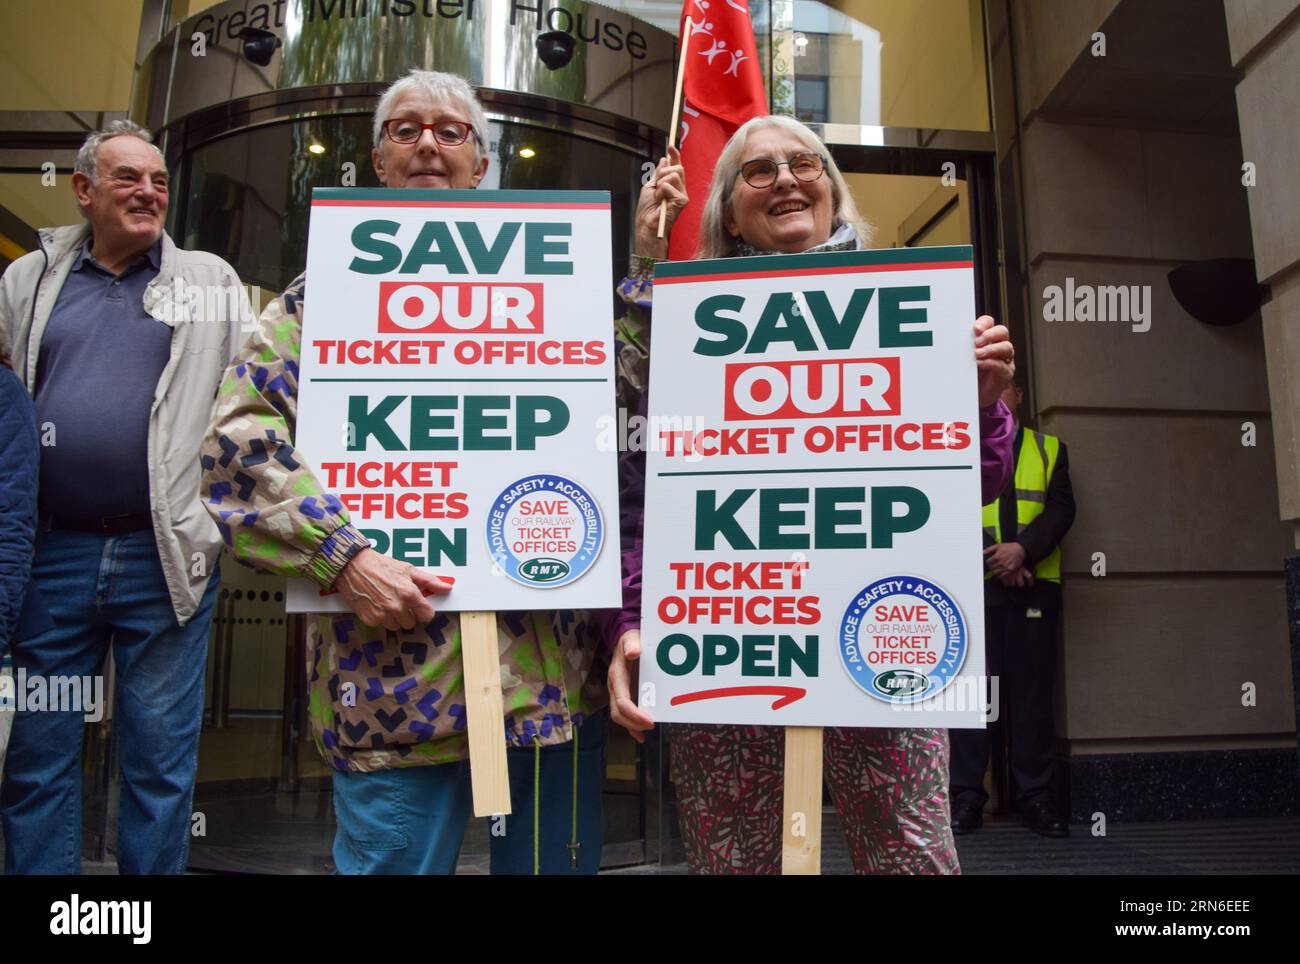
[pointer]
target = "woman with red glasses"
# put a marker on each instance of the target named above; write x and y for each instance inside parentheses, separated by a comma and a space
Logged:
(402, 791)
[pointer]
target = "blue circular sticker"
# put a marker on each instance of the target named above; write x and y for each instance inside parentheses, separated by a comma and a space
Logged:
(903, 639)
(544, 531)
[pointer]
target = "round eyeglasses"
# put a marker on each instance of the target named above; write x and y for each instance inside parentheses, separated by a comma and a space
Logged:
(448, 133)
(762, 171)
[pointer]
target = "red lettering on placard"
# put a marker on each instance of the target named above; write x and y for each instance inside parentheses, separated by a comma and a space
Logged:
(822, 388)
(544, 507)
(460, 308)
(902, 613)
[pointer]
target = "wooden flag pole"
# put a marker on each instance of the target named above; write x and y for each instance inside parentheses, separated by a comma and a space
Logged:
(485, 713)
(801, 848)
(801, 845)
(677, 113)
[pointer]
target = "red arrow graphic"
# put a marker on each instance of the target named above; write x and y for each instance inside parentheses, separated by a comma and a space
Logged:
(785, 694)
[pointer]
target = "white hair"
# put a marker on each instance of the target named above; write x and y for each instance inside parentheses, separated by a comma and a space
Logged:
(439, 86)
(715, 241)
(87, 162)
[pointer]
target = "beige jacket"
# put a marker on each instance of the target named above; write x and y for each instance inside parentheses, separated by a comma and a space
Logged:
(200, 297)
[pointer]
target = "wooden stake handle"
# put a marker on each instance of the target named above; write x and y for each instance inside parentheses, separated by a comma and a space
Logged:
(801, 846)
(677, 114)
(484, 713)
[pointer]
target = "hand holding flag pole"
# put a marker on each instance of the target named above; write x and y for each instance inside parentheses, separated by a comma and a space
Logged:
(677, 112)
(719, 88)
(734, 93)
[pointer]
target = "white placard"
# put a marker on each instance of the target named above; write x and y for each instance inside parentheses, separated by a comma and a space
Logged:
(812, 535)
(457, 359)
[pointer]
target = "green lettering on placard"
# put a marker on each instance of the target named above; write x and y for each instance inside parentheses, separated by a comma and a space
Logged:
(531, 428)
(364, 240)
(366, 422)
(433, 425)
(487, 260)
(434, 245)
(664, 654)
(680, 655)
(772, 517)
(453, 549)
(478, 422)
(893, 316)
(884, 524)
(839, 333)
(713, 520)
(732, 330)
(422, 547)
(719, 650)
(758, 648)
(537, 247)
(783, 521)
(828, 517)
(790, 655)
(406, 546)
(424, 423)
(781, 322)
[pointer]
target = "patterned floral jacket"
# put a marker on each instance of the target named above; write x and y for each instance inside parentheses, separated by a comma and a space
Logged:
(407, 706)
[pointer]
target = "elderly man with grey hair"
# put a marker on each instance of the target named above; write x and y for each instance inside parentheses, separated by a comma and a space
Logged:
(121, 339)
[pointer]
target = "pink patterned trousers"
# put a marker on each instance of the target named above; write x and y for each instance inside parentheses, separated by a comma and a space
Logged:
(890, 788)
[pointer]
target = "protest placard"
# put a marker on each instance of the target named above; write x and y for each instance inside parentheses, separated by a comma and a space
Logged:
(457, 359)
(812, 534)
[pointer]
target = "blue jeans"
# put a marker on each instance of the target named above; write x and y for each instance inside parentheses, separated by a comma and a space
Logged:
(105, 590)
(412, 820)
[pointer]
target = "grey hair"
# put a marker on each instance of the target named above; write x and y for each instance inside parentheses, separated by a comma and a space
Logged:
(439, 86)
(88, 157)
(715, 241)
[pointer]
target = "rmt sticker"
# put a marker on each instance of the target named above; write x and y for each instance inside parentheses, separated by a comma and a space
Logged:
(903, 639)
(545, 531)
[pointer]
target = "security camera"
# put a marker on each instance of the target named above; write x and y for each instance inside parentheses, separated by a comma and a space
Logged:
(259, 45)
(555, 47)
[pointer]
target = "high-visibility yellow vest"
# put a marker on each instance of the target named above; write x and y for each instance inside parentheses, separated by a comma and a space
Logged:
(1033, 473)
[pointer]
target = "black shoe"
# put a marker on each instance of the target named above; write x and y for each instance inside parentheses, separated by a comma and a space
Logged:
(966, 818)
(1041, 818)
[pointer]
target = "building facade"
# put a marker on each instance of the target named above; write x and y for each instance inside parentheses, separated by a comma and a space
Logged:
(1076, 144)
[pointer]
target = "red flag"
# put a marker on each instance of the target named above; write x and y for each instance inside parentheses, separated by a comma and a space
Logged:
(723, 89)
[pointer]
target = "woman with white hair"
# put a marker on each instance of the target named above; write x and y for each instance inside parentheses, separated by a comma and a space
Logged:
(776, 189)
(386, 681)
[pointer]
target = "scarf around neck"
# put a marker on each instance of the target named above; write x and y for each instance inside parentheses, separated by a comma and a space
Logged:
(843, 238)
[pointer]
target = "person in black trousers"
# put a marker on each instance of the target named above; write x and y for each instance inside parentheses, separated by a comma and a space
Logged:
(1023, 530)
